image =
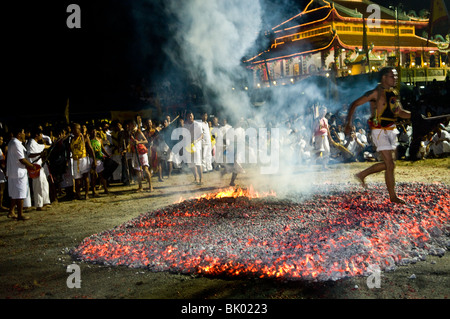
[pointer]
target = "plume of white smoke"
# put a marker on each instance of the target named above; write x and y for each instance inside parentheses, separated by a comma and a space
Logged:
(211, 38)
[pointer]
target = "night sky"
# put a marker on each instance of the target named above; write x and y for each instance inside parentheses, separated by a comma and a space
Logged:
(95, 65)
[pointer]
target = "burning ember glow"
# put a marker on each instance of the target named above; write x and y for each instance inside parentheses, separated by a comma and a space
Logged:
(232, 192)
(335, 232)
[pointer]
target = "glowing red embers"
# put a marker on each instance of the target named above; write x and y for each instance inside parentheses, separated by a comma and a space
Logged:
(336, 232)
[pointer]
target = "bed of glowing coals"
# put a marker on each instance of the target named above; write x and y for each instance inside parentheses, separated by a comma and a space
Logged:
(334, 232)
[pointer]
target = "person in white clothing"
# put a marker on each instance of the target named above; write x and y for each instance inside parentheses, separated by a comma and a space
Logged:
(217, 147)
(206, 145)
(237, 143)
(321, 142)
(41, 190)
(440, 142)
(16, 172)
(3, 179)
(195, 147)
(47, 139)
(356, 144)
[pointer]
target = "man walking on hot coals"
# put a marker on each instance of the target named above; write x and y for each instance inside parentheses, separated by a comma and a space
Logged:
(385, 108)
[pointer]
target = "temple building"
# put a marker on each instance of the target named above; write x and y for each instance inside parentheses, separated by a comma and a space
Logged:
(350, 37)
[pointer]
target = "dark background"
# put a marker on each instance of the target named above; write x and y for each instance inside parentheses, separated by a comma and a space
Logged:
(95, 65)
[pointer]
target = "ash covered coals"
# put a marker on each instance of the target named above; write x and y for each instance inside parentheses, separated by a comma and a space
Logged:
(335, 232)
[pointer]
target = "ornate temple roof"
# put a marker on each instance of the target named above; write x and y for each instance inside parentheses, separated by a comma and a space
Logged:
(311, 30)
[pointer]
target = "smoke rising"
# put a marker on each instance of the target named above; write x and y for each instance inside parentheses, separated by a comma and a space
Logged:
(208, 40)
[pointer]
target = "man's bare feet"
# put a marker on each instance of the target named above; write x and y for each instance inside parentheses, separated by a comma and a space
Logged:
(361, 180)
(23, 217)
(397, 200)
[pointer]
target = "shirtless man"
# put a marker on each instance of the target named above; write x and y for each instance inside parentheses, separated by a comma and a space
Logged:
(385, 107)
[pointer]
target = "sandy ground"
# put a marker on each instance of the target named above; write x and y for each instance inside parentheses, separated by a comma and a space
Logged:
(34, 254)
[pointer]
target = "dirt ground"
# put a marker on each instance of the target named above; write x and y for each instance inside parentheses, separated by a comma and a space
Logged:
(34, 253)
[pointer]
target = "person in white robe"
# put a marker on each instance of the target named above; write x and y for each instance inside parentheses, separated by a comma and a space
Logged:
(40, 186)
(195, 148)
(16, 172)
(206, 145)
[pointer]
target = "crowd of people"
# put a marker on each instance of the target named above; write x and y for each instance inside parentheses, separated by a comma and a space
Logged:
(77, 160)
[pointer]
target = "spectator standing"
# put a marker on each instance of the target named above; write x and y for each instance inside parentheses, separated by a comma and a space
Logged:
(16, 170)
(195, 147)
(321, 143)
(99, 154)
(81, 149)
(206, 145)
(239, 151)
(2, 175)
(139, 155)
(117, 147)
(40, 185)
(165, 155)
(215, 135)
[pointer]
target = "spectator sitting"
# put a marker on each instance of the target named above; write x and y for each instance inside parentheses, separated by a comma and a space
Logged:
(425, 146)
(440, 142)
(356, 145)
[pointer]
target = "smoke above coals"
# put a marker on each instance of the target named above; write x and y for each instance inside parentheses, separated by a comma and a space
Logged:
(204, 43)
(209, 40)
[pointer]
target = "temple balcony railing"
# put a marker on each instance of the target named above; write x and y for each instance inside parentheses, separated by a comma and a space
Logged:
(424, 74)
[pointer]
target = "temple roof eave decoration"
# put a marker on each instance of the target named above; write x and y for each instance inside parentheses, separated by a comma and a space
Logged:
(348, 42)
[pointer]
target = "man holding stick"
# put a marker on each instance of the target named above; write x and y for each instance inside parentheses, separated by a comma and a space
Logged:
(385, 108)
